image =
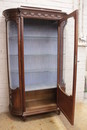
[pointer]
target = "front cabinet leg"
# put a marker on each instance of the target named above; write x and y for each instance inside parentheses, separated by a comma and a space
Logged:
(58, 111)
(23, 118)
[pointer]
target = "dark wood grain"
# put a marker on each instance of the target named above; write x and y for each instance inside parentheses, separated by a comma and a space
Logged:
(40, 100)
(40, 94)
(19, 64)
(65, 104)
(15, 101)
(22, 64)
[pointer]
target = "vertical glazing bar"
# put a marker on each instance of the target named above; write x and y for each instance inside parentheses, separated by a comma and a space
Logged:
(19, 61)
(22, 61)
(58, 61)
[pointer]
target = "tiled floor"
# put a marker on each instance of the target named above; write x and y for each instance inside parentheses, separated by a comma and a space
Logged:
(49, 121)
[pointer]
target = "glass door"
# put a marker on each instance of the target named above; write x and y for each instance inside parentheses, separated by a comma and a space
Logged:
(67, 65)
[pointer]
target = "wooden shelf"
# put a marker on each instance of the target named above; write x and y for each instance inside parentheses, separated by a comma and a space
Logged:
(40, 87)
(35, 55)
(36, 70)
(40, 103)
(34, 37)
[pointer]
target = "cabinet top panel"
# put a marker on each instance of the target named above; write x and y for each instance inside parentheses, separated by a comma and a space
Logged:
(33, 12)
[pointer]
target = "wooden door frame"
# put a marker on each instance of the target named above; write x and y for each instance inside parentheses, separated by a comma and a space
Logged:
(60, 92)
(22, 63)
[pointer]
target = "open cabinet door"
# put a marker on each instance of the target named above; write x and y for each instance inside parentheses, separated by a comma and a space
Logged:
(67, 64)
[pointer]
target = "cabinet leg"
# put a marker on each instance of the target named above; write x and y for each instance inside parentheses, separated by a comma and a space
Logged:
(58, 111)
(23, 118)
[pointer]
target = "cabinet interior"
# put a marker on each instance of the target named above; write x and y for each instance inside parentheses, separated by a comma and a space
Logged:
(40, 100)
(40, 63)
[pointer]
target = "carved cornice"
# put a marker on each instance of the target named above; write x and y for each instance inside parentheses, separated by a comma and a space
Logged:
(33, 13)
(41, 14)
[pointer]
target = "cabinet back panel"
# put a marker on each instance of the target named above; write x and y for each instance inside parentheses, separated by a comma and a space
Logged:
(41, 94)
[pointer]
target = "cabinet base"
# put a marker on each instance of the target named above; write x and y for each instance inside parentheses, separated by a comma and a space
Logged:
(39, 111)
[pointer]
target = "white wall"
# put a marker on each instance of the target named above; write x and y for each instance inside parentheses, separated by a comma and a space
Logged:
(66, 6)
(82, 49)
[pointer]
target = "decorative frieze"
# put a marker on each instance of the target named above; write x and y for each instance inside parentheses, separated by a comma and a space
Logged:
(40, 14)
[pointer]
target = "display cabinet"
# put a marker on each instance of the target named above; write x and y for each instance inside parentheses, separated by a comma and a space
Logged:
(41, 60)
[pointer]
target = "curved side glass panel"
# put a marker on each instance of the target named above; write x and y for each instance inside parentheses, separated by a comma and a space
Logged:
(12, 35)
(68, 55)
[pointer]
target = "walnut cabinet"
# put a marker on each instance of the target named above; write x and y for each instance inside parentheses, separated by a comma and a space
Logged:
(41, 60)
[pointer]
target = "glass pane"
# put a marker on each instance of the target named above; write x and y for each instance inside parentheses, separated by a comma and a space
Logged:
(13, 54)
(40, 54)
(68, 56)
